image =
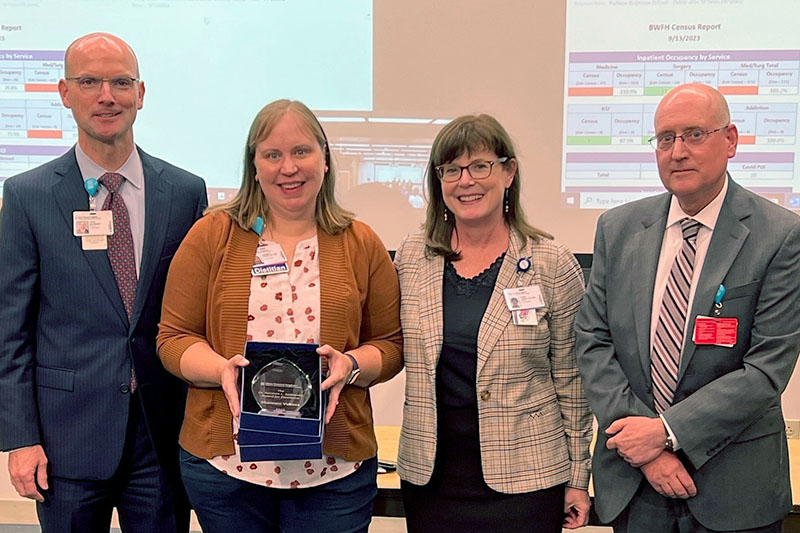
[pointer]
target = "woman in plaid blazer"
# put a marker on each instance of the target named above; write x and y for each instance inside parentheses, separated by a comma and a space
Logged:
(496, 427)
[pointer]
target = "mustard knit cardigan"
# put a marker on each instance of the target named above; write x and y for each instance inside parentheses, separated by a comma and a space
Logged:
(206, 300)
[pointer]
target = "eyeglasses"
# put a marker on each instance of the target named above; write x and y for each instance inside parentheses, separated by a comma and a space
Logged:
(91, 85)
(479, 170)
(694, 137)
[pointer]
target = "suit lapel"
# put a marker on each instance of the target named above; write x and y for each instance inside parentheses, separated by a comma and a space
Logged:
(71, 196)
(157, 201)
(726, 242)
(431, 274)
(645, 246)
(497, 316)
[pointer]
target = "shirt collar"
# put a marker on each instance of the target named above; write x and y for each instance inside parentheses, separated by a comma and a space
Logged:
(131, 168)
(707, 216)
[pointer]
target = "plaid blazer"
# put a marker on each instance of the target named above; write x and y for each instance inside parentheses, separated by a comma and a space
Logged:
(535, 424)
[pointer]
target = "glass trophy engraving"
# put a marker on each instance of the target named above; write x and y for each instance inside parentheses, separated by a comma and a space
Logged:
(281, 388)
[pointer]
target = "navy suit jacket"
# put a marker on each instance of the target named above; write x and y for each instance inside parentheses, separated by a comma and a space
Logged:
(727, 412)
(66, 344)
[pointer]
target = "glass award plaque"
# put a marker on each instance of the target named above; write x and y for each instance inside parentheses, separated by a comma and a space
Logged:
(280, 390)
(282, 402)
(281, 387)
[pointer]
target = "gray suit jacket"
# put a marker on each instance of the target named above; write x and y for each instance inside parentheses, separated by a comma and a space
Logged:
(727, 415)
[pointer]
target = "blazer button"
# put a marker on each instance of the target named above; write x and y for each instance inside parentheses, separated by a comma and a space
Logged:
(124, 388)
(486, 395)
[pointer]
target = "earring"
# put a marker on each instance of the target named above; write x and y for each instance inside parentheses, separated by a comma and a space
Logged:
(445, 214)
(505, 201)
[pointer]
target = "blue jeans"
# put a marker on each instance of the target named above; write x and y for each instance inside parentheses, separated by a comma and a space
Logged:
(226, 504)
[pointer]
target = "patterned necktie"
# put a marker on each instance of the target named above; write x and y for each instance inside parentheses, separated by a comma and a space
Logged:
(120, 246)
(668, 340)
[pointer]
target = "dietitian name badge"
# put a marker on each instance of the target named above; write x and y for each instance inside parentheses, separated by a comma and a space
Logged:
(270, 259)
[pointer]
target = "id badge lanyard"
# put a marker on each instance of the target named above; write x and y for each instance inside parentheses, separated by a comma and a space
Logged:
(92, 186)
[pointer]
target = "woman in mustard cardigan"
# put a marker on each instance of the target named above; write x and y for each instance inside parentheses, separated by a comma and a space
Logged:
(340, 291)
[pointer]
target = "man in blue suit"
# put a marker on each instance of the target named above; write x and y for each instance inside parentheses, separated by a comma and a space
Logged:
(687, 336)
(89, 415)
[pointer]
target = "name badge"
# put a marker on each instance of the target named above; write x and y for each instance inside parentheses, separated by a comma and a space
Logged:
(525, 317)
(94, 242)
(270, 259)
(523, 298)
(92, 223)
(715, 331)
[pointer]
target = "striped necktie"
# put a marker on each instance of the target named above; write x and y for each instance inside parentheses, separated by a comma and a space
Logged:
(668, 341)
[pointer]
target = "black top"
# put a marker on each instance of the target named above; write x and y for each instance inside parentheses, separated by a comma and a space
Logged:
(464, 303)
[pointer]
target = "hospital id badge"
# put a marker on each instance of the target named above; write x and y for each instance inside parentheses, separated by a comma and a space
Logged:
(524, 298)
(270, 259)
(92, 223)
(525, 317)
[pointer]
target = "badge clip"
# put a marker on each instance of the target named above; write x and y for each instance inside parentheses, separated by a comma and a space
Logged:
(258, 226)
(718, 300)
(92, 186)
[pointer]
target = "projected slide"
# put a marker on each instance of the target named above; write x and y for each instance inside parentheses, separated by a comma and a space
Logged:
(208, 67)
(622, 57)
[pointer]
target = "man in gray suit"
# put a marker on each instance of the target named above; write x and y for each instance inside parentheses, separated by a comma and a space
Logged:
(89, 415)
(687, 336)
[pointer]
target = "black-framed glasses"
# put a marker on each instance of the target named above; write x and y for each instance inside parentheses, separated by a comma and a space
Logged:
(478, 170)
(693, 137)
(91, 85)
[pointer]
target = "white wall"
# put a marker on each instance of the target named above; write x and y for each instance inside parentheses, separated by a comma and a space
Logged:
(791, 397)
(7, 491)
(387, 401)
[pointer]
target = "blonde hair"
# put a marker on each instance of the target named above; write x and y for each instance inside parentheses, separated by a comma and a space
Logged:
(250, 202)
